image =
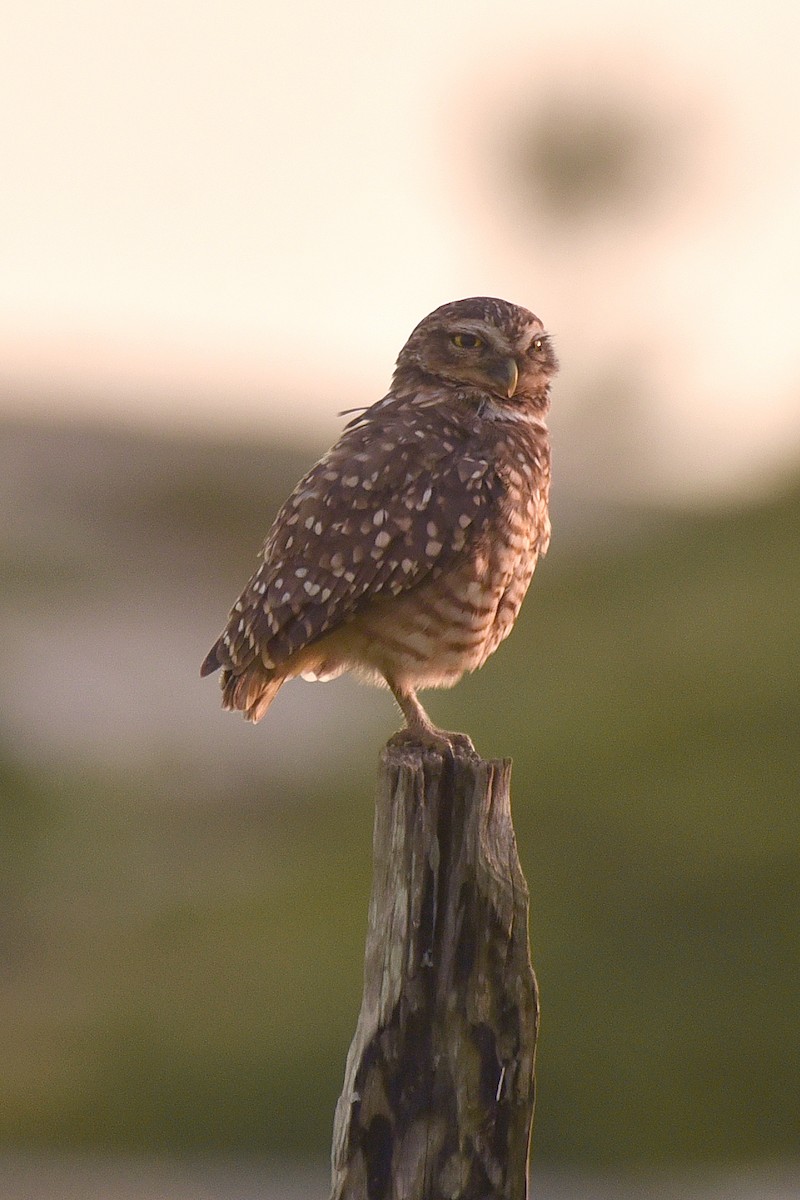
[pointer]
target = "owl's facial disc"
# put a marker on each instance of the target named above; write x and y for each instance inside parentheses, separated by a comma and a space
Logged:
(478, 356)
(481, 343)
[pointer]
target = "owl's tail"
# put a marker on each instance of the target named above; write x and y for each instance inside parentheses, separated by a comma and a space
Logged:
(250, 692)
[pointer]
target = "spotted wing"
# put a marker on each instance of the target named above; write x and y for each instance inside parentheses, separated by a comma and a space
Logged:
(392, 503)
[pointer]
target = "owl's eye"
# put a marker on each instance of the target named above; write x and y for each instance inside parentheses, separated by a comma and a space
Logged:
(538, 344)
(466, 341)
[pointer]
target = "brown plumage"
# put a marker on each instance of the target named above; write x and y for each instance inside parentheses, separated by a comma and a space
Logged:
(405, 553)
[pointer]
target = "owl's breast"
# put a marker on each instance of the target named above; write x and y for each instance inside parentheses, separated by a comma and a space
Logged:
(432, 632)
(451, 622)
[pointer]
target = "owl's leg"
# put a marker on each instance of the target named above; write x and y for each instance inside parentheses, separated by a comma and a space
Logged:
(420, 728)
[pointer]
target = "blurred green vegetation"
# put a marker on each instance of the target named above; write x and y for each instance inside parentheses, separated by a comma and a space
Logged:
(181, 969)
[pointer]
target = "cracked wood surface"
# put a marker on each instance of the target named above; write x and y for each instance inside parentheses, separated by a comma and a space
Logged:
(439, 1089)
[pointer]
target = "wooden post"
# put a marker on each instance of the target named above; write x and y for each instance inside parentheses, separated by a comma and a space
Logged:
(438, 1091)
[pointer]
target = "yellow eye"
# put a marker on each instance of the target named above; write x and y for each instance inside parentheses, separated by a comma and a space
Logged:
(466, 341)
(538, 343)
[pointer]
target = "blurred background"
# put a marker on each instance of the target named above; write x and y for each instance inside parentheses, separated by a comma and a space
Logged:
(217, 228)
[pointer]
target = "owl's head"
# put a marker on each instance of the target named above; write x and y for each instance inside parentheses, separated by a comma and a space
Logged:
(482, 343)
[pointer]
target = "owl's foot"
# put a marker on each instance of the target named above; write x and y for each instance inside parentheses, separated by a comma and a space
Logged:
(431, 738)
(421, 731)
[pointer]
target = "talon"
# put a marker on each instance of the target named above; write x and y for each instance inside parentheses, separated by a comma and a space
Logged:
(431, 738)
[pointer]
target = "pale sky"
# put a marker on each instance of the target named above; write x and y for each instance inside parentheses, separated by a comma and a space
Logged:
(236, 214)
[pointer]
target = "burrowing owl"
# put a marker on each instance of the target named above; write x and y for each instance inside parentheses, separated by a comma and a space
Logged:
(405, 553)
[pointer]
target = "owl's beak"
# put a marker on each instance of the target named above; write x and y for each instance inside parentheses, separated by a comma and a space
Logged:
(505, 372)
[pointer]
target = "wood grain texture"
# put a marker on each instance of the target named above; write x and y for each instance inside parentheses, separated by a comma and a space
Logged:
(439, 1085)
